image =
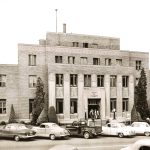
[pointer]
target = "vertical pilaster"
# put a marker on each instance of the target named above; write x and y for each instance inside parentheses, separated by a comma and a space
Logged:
(66, 96)
(131, 92)
(80, 96)
(51, 89)
(107, 92)
(119, 95)
(94, 83)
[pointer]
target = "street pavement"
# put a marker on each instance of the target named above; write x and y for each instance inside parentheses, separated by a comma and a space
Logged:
(100, 143)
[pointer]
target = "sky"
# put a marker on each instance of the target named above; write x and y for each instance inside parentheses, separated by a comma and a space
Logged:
(27, 21)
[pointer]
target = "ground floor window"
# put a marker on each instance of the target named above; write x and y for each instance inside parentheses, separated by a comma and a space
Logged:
(113, 104)
(73, 106)
(125, 103)
(2, 106)
(59, 106)
(30, 107)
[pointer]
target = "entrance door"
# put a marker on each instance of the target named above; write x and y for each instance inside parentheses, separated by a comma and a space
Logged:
(94, 106)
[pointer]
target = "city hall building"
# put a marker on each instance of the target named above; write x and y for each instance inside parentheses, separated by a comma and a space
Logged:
(80, 73)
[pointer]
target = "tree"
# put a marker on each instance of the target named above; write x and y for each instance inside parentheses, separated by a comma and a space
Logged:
(38, 103)
(12, 116)
(43, 117)
(52, 115)
(141, 96)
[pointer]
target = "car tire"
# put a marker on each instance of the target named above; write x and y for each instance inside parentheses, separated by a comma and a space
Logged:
(16, 138)
(120, 135)
(86, 135)
(147, 133)
(52, 136)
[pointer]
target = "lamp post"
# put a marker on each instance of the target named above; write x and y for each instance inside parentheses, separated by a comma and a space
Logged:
(114, 113)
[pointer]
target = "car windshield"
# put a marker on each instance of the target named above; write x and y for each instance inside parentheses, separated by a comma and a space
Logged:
(122, 125)
(94, 123)
(55, 125)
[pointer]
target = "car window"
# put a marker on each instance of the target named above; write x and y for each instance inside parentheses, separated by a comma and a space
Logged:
(22, 127)
(42, 126)
(55, 125)
(109, 125)
(144, 148)
(10, 127)
(113, 125)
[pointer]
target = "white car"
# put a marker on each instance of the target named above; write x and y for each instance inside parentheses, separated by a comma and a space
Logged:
(51, 130)
(141, 128)
(117, 129)
(143, 144)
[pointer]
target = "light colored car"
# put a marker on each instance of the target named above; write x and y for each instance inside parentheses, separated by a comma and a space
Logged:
(117, 129)
(141, 128)
(143, 144)
(17, 131)
(51, 130)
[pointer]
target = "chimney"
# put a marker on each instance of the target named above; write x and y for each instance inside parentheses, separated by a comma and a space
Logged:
(64, 28)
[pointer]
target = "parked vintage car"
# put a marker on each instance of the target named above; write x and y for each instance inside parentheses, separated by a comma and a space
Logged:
(87, 129)
(142, 144)
(141, 128)
(51, 130)
(117, 129)
(17, 131)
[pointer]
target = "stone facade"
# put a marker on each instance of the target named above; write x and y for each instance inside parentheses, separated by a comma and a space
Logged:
(80, 56)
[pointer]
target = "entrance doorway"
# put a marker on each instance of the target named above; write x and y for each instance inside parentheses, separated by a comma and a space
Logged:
(94, 105)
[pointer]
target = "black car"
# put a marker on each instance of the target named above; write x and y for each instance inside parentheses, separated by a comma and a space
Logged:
(84, 129)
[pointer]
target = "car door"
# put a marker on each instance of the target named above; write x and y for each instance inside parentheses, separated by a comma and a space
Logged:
(42, 130)
(107, 129)
(114, 129)
(138, 129)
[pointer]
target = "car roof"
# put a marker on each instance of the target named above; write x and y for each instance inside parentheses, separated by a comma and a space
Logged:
(48, 123)
(142, 142)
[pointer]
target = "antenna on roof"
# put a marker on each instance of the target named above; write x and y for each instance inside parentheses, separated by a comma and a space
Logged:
(56, 19)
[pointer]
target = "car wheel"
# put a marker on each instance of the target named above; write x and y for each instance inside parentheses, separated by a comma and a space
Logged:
(52, 137)
(147, 134)
(16, 138)
(120, 135)
(86, 135)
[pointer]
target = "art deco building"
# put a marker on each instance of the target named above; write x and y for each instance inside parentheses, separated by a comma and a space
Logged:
(80, 73)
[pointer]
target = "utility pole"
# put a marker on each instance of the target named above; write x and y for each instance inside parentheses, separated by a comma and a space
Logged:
(56, 19)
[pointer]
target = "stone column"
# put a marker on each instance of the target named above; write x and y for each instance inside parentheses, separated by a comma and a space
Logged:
(131, 92)
(51, 89)
(94, 83)
(66, 96)
(119, 96)
(107, 92)
(80, 96)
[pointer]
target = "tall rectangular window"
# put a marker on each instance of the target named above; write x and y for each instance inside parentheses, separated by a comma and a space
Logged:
(83, 60)
(2, 106)
(30, 107)
(96, 61)
(32, 81)
(125, 104)
(125, 81)
(59, 106)
(107, 61)
(100, 80)
(75, 44)
(113, 104)
(2, 80)
(87, 80)
(59, 79)
(85, 45)
(73, 80)
(119, 62)
(71, 59)
(113, 80)
(58, 59)
(138, 65)
(32, 60)
(73, 106)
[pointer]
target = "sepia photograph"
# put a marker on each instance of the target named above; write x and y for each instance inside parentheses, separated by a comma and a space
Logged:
(74, 75)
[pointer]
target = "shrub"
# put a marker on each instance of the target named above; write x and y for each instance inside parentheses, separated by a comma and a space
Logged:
(3, 123)
(52, 115)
